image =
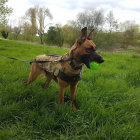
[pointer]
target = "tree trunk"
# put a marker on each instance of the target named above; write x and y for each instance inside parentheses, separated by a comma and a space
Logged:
(41, 39)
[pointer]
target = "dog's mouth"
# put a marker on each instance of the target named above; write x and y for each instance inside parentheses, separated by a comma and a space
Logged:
(88, 58)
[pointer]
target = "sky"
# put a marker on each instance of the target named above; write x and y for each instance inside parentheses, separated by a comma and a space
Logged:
(65, 10)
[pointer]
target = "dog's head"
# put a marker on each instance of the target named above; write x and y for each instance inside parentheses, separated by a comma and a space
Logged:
(84, 50)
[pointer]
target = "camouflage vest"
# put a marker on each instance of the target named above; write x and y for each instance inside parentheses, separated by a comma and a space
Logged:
(52, 67)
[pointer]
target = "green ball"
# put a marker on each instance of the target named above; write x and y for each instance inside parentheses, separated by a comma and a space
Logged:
(94, 65)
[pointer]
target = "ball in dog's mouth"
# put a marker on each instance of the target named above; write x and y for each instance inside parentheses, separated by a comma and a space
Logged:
(92, 61)
(94, 65)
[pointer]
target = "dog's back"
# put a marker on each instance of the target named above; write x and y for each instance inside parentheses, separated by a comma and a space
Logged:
(52, 67)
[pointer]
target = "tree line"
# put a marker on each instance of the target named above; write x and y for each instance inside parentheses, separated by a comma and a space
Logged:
(35, 26)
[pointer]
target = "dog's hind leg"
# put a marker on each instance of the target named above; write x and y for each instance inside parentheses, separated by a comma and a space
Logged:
(48, 80)
(35, 72)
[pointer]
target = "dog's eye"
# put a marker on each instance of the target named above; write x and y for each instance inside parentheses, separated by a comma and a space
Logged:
(90, 49)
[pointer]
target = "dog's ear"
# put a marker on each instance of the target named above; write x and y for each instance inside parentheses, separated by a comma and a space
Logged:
(90, 35)
(83, 36)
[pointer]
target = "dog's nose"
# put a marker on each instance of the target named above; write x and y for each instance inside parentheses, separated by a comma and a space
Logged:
(101, 60)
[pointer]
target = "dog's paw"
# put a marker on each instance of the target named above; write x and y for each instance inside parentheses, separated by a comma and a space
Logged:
(25, 84)
(74, 107)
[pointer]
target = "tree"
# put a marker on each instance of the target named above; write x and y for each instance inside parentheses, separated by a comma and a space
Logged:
(16, 31)
(16, 28)
(91, 19)
(4, 31)
(128, 37)
(70, 32)
(112, 26)
(31, 13)
(27, 32)
(54, 36)
(4, 12)
(112, 23)
(130, 30)
(37, 17)
(42, 13)
(128, 25)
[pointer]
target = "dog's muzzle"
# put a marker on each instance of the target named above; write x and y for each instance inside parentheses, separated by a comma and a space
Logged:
(93, 56)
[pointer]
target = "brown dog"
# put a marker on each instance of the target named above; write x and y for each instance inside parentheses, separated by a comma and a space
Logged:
(67, 73)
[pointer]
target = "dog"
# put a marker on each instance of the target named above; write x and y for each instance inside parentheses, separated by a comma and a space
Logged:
(67, 73)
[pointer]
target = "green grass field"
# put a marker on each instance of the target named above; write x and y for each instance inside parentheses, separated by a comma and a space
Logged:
(108, 100)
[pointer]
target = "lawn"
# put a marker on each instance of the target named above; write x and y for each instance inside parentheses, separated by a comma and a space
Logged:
(108, 99)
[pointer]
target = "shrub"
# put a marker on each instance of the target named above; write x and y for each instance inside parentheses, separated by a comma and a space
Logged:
(54, 36)
(4, 31)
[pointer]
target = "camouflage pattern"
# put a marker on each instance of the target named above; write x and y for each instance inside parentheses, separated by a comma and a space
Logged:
(52, 67)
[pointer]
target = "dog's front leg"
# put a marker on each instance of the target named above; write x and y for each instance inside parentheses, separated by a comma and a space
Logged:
(73, 87)
(62, 87)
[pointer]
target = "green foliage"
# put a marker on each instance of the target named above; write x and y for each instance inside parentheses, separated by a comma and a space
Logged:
(108, 99)
(28, 36)
(16, 32)
(4, 31)
(37, 16)
(100, 39)
(4, 12)
(130, 33)
(54, 36)
(105, 40)
(128, 37)
(70, 33)
(4, 34)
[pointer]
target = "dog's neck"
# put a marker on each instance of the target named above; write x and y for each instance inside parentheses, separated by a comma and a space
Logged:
(74, 63)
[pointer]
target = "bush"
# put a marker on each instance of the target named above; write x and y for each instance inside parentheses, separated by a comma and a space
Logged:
(4, 31)
(4, 34)
(107, 40)
(100, 40)
(70, 33)
(54, 36)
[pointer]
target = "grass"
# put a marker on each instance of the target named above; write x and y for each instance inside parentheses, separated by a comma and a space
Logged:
(108, 99)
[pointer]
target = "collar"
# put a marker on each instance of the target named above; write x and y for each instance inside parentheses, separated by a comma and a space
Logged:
(76, 67)
(68, 58)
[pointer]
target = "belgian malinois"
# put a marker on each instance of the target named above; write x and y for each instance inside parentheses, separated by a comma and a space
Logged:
(67, 73)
